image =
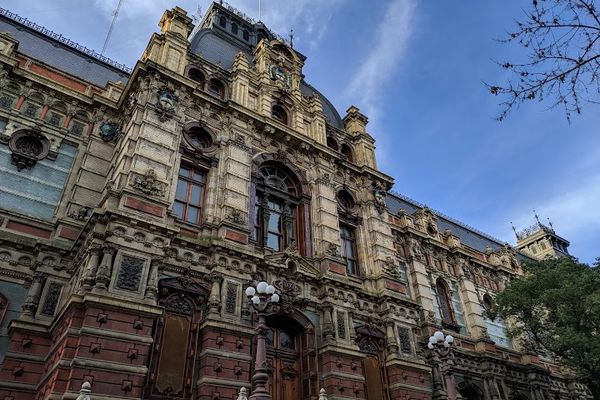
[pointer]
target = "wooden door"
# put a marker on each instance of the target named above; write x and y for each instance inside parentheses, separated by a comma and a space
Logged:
(283, 358)
(374, 385)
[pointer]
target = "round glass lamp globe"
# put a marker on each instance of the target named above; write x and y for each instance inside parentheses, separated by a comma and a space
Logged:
(262, 287)
(250, 291)
(275, 298)
(439, 336)
(270, 289)
(255, 299)
(449, 339)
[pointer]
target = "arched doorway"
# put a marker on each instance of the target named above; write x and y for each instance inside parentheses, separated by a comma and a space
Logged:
(291, 358)
(470, 391)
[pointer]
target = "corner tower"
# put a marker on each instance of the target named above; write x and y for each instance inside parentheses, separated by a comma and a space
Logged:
(540, 241)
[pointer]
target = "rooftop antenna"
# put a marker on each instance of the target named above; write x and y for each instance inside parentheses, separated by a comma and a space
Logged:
(514, 229)
(259, 11)
(198, 15)
(112, 25)
(292, 38)
(537, 218)
(550, 223)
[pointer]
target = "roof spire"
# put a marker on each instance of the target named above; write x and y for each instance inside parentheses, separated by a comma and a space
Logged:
(514, 230)
(292, 38)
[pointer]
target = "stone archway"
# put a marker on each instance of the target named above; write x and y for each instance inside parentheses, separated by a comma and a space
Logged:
(470, 391)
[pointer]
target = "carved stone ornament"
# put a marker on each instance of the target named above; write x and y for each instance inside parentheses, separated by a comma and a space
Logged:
(130, 274)
(167, 102)
(81, 214)
(391, 268)
(332, 249)
(237, 217)
(109, 131)
(289, 292)
(379, 194)
(28, 147)
(148, 184)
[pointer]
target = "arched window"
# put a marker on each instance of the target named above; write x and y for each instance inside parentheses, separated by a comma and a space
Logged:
(56, 115)
(10, 96)
(234, 28)
(444, 302)
(223, 21)
(347, 152)
(216, 88)
(279, 114)
(278, 214)
(33, 105)
(196, 75)
(79, 124)
(332, 143)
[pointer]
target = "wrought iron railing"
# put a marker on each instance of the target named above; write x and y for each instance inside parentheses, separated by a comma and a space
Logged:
(66, 41)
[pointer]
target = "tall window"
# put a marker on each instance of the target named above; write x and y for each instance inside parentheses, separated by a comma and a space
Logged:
(445, 302)
(280, 114)
(189, 195)
(216, 88)
(277, 216)
(348, 242)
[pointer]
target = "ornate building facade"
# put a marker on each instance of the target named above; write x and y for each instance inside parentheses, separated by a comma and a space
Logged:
(137, 205)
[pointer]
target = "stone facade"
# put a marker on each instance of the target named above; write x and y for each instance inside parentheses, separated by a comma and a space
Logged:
(136, 206)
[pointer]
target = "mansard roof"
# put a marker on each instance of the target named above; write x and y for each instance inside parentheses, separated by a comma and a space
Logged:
(468, 236)
(59, 52)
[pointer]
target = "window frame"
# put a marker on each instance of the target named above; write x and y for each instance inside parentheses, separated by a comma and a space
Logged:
(190, 182)
(349, 241)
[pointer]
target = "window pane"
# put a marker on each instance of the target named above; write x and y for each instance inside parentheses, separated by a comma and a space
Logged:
(192, 214)
(351, 267)
(180, 193)
(273, 242)
(286, 341)
(198, 176)
(178, 209)
(184, 172)
(274, 223)
(274, 206)
(196, 196)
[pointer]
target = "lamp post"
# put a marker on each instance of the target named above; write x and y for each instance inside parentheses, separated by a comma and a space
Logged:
(440, 346)
(261, 299)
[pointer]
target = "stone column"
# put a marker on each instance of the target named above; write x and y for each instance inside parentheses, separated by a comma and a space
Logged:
(328, 332)
(88, 275)
(214, 299)
(390, 337)
(33, 295)
(104, 272)
(152, 284)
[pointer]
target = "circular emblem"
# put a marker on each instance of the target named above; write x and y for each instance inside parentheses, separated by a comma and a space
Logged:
(279, 75)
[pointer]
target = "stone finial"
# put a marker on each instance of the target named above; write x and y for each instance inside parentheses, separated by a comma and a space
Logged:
(322, 395)
(243, 394)
(84, 393)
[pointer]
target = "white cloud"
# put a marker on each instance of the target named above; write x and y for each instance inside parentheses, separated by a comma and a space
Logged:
(389, 45)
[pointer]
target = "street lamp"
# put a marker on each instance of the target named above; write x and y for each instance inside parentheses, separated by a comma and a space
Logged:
(440, 346)
(261, 299)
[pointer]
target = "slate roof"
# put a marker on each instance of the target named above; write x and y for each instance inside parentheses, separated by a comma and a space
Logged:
(468, 235)
(59, 52)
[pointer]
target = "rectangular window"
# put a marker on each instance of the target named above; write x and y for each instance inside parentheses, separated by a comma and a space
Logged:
(189, 195)
(348, 243)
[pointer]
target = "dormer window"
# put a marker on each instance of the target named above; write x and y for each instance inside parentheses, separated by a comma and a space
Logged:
(279, 114)
(246, 34)
(332, 143)
(234, 28)
(196, 75)
(347, 153)
(223, 21)
(216, 88)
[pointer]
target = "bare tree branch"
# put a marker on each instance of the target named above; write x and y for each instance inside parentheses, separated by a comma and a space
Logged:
(562, 38)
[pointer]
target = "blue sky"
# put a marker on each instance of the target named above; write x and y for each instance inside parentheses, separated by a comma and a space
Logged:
(416, 69)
